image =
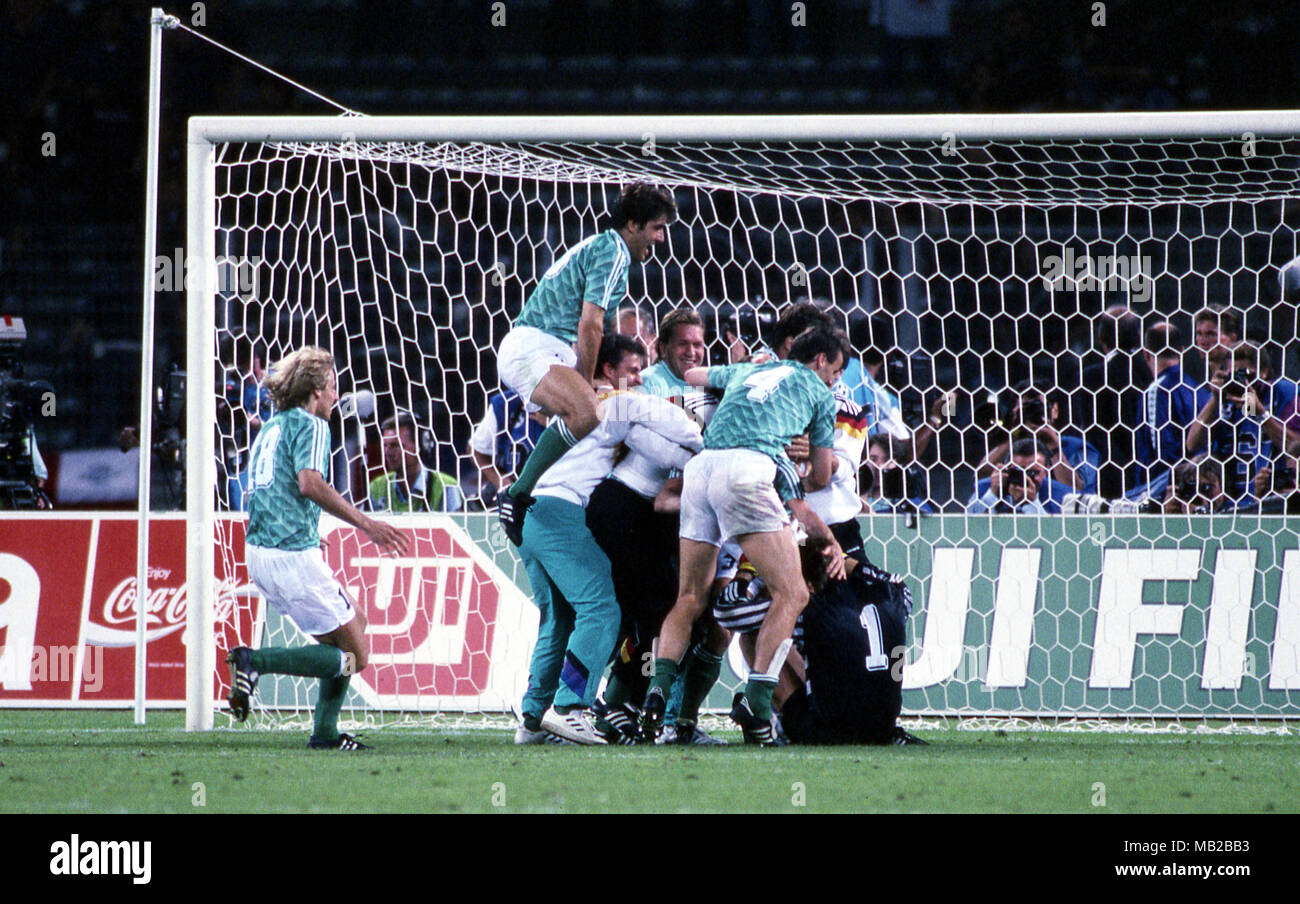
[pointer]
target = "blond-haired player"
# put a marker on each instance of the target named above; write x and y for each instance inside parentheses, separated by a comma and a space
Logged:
(288, 488)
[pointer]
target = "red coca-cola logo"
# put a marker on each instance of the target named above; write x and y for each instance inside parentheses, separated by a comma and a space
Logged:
(166, 605)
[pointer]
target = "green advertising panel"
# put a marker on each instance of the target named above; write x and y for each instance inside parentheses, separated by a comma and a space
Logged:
(1147, 616)
(1163, 616)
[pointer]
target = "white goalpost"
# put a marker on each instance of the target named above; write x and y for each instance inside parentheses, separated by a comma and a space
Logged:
(407, 244)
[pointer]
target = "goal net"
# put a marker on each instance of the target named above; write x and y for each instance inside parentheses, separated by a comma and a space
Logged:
(972, 261)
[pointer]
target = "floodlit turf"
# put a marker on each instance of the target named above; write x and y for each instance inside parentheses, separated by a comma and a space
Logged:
(96, 762)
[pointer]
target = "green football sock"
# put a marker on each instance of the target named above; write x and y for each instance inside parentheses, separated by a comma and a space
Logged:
(665, 674)
(553, 443)
(329, 702)
(701, 673)
(617, 690)
(758, 691)
(316, 661)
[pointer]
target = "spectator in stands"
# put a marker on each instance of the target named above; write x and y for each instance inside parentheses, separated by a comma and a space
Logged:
(1035, 413)
(893, 480)
(1278, 481)
(1022, 486)
(1169, 406)
(243, 407)
(1291, 418)
(407, 485)
(1241, 419)
(243, 389)
(502, 440)
(862, 378)
(1216, 330)
(1109, 403)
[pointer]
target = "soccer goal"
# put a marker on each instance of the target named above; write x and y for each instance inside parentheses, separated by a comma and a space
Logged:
(975, 254)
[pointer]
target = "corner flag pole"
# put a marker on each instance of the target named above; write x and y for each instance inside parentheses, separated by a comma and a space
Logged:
(157, 20)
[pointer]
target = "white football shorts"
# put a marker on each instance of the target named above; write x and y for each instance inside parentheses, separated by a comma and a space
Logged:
(525, 355)
(728, 493)
(301, 587)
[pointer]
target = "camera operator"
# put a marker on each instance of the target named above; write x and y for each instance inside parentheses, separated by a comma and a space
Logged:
(168, 443)
(1196, 489)
(1023, 486)
(1278, 481)
(891, 479)
(22, 469)
(1036, 413)
(1241, 418)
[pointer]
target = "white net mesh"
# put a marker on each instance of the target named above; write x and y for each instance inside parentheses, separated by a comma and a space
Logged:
(972, 268)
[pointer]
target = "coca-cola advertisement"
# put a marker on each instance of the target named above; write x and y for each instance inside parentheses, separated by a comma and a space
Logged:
(447, 628)
(68, 604)
(109, 628)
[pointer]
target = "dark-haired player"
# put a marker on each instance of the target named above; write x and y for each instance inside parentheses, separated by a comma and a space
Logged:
(851, 639)
(549, 355)
(729, 491)
(570, 574)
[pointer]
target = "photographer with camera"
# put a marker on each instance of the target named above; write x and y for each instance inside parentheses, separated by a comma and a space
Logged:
(1035, 413)
(1196, 489)
(22, 470)
(1023, 486)
(1241, 418)
(891, 479)
(1278, 482)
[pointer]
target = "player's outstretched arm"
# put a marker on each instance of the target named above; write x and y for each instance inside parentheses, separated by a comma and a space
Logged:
(822, 469)
(697, 377)
(816, 527)
(389, 539)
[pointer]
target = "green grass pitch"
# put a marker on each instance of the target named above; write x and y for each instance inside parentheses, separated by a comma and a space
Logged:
(98, 762)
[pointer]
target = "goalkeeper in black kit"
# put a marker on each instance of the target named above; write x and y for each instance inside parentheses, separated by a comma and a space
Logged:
(843, 681)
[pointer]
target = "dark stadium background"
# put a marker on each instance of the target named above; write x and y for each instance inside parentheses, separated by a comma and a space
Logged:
(71, 224)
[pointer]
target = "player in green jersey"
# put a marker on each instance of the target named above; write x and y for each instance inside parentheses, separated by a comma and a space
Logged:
(729, 491)
(680, 347)
(549, 355)
(288, 487)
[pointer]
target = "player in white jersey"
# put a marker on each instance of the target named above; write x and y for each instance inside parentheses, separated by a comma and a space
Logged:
(569, 573)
